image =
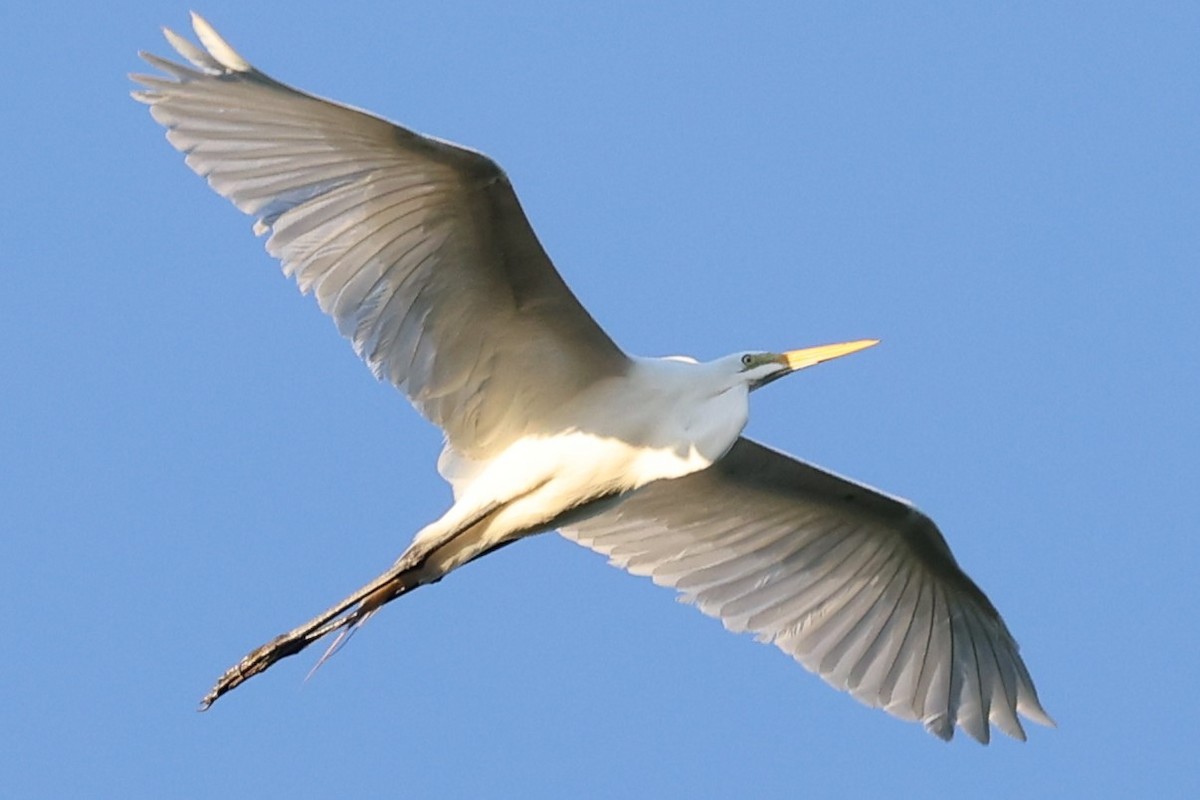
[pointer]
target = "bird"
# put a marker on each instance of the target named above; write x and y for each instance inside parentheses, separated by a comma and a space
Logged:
(422, 255)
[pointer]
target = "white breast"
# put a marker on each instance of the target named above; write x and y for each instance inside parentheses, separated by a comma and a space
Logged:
(664, 420)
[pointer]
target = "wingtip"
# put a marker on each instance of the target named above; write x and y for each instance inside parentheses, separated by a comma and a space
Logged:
(174, 39)
(198, 22)
(217, 47)
(1035, 712)
(940, 726)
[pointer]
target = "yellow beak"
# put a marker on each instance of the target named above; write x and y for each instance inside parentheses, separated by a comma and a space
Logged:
(799, 359)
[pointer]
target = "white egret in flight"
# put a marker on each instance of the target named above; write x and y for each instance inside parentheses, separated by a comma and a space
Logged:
(422, 255)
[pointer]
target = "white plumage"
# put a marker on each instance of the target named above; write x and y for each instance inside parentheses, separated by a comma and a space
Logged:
(420, 252)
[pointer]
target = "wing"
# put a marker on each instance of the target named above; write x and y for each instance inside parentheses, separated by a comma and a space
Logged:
(417, 248)
(857, 586)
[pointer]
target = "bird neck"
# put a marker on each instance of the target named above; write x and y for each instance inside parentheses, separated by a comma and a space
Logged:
(702, 405)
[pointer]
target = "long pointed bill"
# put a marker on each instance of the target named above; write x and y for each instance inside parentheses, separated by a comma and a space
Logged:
(799, 359)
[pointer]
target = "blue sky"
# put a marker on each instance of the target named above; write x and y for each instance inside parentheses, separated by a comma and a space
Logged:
(194, 461)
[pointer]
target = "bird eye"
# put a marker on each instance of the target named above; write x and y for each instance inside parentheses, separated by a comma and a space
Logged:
(747, 360)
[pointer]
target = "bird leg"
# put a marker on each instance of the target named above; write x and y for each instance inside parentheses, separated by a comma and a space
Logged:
(368, 599)
(406, 574)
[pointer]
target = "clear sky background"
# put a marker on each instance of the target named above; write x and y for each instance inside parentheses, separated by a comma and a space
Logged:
(192, 460)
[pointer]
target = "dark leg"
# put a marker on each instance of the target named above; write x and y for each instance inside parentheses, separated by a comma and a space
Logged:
(395, 582)
(406, 574)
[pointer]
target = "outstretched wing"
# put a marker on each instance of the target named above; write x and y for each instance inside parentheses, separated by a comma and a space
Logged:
(857, 586)
(416, 247)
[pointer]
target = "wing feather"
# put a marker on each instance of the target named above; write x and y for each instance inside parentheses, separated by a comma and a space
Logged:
(416, 247)
(859, 587)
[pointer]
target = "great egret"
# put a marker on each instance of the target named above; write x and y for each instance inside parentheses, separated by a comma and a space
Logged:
(422, 255)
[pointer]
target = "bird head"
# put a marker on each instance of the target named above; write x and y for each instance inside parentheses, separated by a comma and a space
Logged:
(759, 369)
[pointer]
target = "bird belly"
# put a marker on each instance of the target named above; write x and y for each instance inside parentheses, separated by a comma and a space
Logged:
(537, 479)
